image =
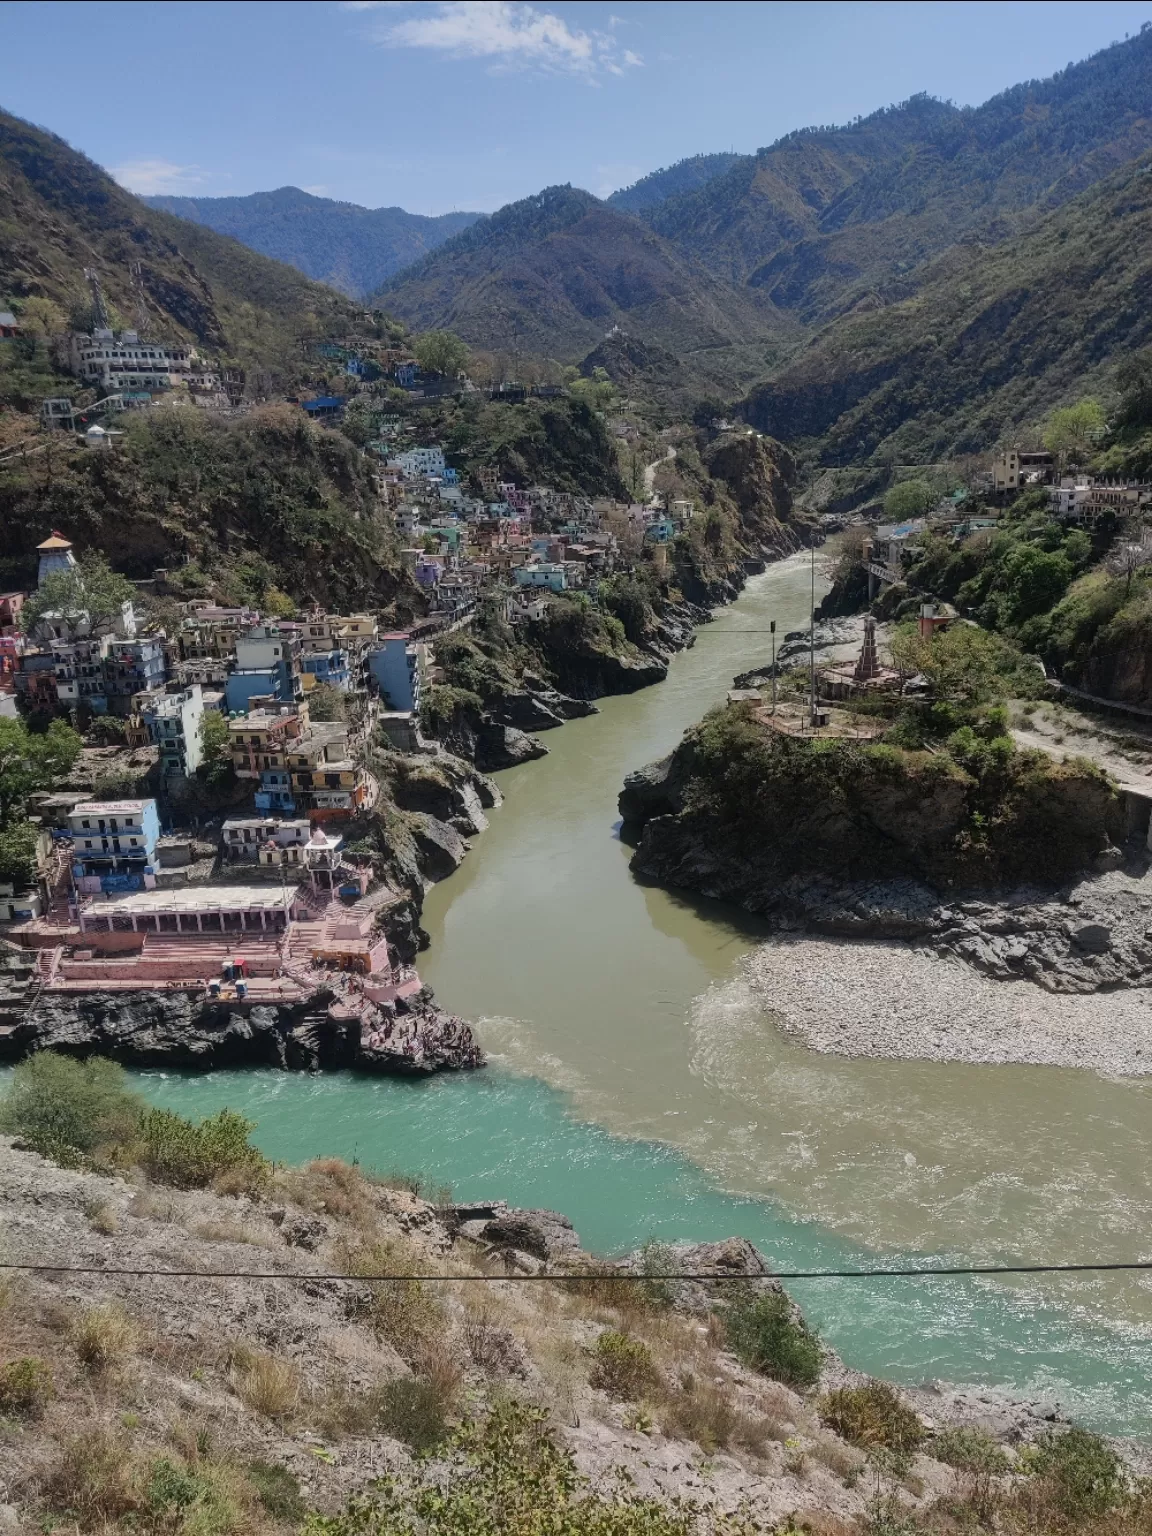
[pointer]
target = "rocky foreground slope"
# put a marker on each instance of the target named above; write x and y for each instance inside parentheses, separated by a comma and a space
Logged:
(142, 1401)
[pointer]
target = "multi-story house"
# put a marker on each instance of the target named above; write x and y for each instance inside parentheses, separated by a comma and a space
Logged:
(397, 665)
(110, 362)
(267, 662)
(132, 667)
(174, 721)
(113, 844)
(260, 739)
(422, 461)
(329, 667)
(242, 837)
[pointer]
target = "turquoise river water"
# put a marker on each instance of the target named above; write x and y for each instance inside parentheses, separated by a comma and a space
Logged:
(636, 1085)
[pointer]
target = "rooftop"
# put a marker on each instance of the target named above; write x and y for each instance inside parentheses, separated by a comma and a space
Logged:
(198, 898)
(55, 541)
(110, 807)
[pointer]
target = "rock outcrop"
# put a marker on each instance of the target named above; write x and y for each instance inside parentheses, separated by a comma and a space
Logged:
(176, 1029)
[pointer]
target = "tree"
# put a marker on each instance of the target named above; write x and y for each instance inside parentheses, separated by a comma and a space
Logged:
(909, 499)
(277, 604)
(441, 352)
(92, 587)
(18, 854)
(965, 664)
(29, 762)
(599, 392)
(1072, 430)
(1126, 559)
(326, 703)
(1134, 378)
(1035, 580)
(42, 317)
(216, 748)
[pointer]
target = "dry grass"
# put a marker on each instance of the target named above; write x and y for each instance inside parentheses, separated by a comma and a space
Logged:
(103, 1337)
(95, 1480)
(102, 1217)
(329, 1187)
(266, 1383)
(226, 1232)
(404, 1310)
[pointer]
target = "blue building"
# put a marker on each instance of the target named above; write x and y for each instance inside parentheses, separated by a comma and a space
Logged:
(114, 844)
(395, 665)
(252, 683)
(328, 667)
(275, 792)
(406, 375)
(325, 407)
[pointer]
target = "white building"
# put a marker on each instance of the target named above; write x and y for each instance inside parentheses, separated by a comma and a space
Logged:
(175, 723)
(422, 461)
(112, 362)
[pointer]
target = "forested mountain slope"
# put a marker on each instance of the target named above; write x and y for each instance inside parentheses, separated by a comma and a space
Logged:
(672, 180)
(829, 217)
(554, 273)
(60, 213)
(348, 247)
(994, 337)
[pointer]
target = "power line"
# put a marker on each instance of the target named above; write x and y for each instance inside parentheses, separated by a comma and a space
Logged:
(579, 1276)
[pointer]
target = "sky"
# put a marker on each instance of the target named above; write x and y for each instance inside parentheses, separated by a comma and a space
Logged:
(469, 104)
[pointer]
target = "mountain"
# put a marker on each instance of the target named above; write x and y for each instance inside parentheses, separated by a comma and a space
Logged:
(348, 247)
(550, 275)
(829, 217)
(684, 176)
(993, 337)
(62, 214)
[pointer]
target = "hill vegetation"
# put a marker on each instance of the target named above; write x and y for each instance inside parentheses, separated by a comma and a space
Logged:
(231, 507)
(993, 339)
(61, 214)
(551, 274)
(685, 176)
(350, 248)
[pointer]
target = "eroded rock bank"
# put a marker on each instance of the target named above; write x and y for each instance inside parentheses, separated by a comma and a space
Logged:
(176, 1029)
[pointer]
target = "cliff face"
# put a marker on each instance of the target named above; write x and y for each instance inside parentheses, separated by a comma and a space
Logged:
(737, 811)
(151, 1029)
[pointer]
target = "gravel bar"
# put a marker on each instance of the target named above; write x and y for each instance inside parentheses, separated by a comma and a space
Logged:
(892, 999)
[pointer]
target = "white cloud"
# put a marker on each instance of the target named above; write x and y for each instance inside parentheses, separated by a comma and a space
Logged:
(320, 189)
(147, 178)
(508, 33)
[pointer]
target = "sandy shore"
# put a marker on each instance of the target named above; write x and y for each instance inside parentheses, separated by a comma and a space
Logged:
(890, 999)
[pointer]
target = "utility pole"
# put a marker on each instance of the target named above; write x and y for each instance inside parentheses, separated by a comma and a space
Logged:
(772, 632)
(812, 644)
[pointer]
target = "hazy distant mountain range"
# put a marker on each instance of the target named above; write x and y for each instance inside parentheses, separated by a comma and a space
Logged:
(351, 248)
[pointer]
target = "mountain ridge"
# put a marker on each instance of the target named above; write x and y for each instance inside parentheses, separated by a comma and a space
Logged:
(63, 214)
(555, 272)
(351, 248)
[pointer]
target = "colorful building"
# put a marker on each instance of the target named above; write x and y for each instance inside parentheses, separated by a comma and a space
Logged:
(114, 844)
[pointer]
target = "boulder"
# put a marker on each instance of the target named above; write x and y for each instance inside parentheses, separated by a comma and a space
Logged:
(439, 847)
(503, 746)
(1093, 938)
(545, 1235)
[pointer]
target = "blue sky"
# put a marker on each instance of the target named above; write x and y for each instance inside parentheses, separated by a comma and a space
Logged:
(443, 104)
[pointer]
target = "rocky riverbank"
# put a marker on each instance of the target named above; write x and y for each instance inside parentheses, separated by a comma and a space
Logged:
(176, 1029)
(263, 1373)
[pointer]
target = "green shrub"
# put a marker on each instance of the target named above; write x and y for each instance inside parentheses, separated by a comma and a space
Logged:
(26, 1387)
(1085, 1476)
(413, 1410)
(766, 1336)
(278, 1490)
(873, 1417)
(507, 1473)
(970, 1449)
(623, 1366)
(62, 1108)
(190, 1155)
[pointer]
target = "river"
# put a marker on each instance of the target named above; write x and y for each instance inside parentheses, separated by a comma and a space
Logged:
(636, 1085)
